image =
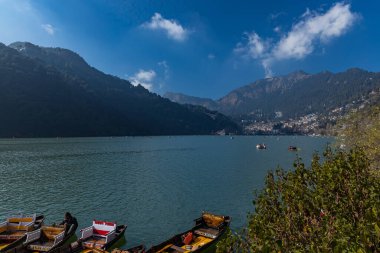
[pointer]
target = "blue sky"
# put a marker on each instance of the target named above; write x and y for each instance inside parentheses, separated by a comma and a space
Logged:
(201, 48)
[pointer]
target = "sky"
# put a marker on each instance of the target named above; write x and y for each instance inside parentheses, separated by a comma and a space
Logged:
(197, 47)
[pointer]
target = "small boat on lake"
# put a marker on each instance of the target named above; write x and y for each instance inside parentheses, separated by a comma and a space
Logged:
(136, 249)
(48, 238)
(261, 146)
(292, 148)
(101, 235)
(13, 231)
(208, 230)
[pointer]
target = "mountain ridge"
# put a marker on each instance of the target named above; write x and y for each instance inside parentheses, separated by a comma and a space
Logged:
(48, 92)
(297, 95)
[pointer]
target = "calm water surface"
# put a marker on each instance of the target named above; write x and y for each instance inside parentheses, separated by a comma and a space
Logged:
(156, 185)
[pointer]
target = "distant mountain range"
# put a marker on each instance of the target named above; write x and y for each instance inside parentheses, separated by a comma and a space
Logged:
(291, 96)
(48, 92)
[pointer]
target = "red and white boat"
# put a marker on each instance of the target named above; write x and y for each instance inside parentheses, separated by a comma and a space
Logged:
(101, 235)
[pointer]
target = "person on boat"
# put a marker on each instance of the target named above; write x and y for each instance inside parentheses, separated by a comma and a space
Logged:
(69, 222)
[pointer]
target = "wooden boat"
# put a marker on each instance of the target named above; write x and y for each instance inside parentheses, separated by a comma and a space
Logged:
(137, 249)
(261, 146)
(101, 235)
(208, 230)
(14, 230)
(73, 249)
(47, 238)
(292, 148)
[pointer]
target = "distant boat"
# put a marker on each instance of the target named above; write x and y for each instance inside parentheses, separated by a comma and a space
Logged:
(292, 148)
(261, 146)
(208, 230)
(14, 230)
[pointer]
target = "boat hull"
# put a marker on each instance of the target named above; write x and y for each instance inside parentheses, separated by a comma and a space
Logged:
(205, 240)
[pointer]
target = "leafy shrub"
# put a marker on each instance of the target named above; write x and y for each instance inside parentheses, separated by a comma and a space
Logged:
(333, 206)
(362, 129)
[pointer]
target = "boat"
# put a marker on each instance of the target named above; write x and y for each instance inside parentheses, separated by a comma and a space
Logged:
(261, 146)
(208, 230)
(13, 230)
(136, 249)
(48, 238)
(101, 235)
(292, 148)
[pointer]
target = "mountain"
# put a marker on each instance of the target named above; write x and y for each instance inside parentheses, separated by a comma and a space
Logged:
(293, 96)
(185, 99)
(47, 92)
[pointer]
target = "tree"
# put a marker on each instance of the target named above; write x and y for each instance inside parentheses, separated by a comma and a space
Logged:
(333, 206)
(362, 129)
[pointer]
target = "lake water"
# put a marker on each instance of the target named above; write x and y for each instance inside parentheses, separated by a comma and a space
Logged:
(156, 185)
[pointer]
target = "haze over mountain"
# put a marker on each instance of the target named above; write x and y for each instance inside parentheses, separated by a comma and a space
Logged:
(54, 92)
(291, 96)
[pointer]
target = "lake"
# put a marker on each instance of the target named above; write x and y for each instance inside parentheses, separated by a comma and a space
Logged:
(156, 185)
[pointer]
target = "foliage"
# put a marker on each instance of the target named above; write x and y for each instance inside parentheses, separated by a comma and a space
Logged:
(333, 206)
(362, 129)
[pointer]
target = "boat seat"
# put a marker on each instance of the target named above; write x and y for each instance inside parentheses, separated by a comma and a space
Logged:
(41, 247)
(177, 249)
(103, 228)
(48, 234)
(213, 221)
(14, 234)
(207, 232)
(94, 243)
(51, 232)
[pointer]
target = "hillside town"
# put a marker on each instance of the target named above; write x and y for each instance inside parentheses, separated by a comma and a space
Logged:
(310, 124)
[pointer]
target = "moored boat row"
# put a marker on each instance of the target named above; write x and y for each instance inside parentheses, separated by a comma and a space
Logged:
(14, 230)
(27, 234)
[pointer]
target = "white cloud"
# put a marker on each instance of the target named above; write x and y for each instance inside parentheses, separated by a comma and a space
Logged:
(165, 66)
(144, 78)
(266, 63)
(153, 80)
(256, 46)
(147, 76)
(173, 29)
(312, 29)
(211, 56)
(48, 28)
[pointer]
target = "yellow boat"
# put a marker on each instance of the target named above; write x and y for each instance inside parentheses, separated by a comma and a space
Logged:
(47, 238)
(14, 230)
(137, 249)
(208, 229)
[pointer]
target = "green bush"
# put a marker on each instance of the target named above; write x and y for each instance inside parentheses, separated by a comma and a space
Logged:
(333, 206)
(362, 129)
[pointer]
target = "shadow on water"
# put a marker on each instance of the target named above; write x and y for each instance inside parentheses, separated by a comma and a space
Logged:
(119, 243)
